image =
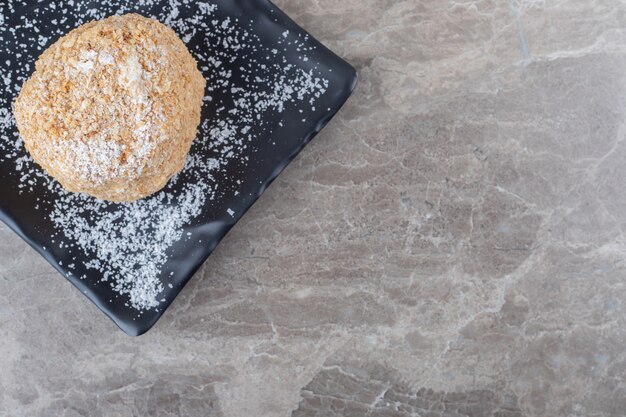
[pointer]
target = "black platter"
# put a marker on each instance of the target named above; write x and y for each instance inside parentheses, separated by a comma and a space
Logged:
(23, 209)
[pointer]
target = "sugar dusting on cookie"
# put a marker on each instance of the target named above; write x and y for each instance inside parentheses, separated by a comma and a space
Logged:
(117, 130)
(128, 245)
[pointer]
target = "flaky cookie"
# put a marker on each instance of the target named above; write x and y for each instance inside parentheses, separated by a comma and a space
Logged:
(112, 108)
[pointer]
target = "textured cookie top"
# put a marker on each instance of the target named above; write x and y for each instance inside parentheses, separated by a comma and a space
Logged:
(105, 99)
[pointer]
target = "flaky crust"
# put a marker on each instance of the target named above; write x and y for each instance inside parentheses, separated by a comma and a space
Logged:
(112, 108)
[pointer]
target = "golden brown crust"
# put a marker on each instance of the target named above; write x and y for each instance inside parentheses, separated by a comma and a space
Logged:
(112, 108)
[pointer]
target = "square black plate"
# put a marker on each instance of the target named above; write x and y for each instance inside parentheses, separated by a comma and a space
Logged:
(240, 45)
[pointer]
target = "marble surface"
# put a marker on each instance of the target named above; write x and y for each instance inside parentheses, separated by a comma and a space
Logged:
(452, 244)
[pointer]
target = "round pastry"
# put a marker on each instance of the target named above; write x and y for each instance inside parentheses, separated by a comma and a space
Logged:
(112, 108)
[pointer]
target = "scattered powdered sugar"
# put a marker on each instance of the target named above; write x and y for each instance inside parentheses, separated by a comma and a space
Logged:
(105, 58)
(86, 63)
(129, 244)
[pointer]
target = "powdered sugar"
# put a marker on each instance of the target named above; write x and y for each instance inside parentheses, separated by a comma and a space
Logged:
(128, 245)
(106, 58)
(86, 63)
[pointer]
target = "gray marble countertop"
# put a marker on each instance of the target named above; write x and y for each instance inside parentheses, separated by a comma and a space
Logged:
(453, 241)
